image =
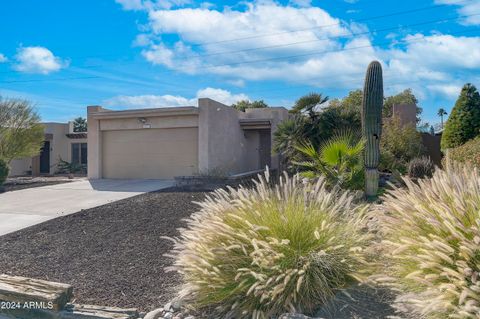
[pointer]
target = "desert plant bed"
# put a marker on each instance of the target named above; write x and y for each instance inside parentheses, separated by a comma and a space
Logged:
(112, 254)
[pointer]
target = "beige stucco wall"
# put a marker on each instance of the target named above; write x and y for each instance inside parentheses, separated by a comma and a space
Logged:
(224, 145)
(60, 147)
(208, 140)
(20, 166)
(276, 115)
(121, 146)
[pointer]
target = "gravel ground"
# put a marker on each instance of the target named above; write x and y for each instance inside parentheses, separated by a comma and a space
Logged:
(17, 183)
(111, 254)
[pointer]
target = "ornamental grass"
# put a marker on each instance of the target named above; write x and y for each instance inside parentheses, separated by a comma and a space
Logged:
(260, 252)
(432, 241)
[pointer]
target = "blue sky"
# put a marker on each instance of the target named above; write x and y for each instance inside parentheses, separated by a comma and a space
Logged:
(64, 55)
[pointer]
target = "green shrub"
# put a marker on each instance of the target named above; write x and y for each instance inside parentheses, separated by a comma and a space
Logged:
(339, 159)
(432, 241)
(4, 169)
(402, 143)
(260, 252)
(463, 124)
(467, 153)
(421, 167)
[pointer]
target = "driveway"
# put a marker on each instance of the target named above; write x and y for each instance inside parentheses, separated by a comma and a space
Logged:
(27, 207)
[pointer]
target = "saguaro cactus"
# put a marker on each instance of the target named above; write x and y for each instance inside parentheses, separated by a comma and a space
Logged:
(372, 125)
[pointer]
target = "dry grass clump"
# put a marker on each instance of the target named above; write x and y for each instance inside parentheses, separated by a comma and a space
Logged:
(432, 236)
(260, 252)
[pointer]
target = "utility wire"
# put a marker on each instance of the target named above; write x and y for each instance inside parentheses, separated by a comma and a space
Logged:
(346, 35)
(55, 79)
(329, 51)
(262, 60)
(398, 13)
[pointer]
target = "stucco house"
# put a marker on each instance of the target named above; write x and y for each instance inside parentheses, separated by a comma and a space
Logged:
(60, 142)
(212, 138)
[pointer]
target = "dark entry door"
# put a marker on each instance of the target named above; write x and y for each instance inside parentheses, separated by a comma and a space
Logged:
(45, 158)
(265, 149)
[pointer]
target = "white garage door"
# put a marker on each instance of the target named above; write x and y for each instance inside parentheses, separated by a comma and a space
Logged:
(150, 153)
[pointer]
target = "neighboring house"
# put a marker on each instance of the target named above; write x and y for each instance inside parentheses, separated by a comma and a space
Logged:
(407, 115)
(212, 138)
(60, 142)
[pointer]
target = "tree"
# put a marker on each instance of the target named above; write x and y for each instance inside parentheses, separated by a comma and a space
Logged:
(464, 121)
(339, 159)
(405, 97)
(246, 104)
(314, 124)
(441, 112)
(21, 133)
(309, 105)
(399, 145)
(80, 124)
(351, 103)
(288, 135)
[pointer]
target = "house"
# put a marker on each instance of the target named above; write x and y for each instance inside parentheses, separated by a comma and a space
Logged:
(158, 143)
(60, 142)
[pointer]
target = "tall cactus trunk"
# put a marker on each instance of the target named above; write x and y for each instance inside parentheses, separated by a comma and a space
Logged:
(372, 125)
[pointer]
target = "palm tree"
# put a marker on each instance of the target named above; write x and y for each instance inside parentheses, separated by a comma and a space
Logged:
(339, 159)
(441, 112)
(308, 104)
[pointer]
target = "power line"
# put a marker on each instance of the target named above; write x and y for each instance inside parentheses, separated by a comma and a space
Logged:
(56, 79)
(398, 13)
(346, 35)
(259, 60)
(328, 51)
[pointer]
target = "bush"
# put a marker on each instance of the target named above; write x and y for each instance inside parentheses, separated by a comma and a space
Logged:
(260, 252)
(339, 159)
(432, 231)
(463, 124)
(421, 167)
(401, 144)
(467, 153)
(4, 170)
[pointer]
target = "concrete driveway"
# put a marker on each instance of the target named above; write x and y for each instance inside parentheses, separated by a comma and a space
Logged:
(27, 207)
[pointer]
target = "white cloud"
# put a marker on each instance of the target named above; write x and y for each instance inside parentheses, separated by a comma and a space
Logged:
(159, 54)
(216, 28)
(3, 58)
(147, 101)
(220, 95)
(467, 8)
(449, 91)
(322, 54)
(37, 60)
(131, 4)
(302, 3)
(434, 57)
(151, 4)
(152, 101)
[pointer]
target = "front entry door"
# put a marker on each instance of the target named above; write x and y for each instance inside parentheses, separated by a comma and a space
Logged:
(265, 149)
(45, 158)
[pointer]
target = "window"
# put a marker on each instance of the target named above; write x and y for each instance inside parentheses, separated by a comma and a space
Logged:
(79, 153)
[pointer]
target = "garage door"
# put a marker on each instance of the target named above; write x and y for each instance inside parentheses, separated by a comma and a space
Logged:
(150, 153)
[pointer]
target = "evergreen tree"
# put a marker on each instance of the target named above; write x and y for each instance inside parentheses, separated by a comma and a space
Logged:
(464, 121)
(80, 124)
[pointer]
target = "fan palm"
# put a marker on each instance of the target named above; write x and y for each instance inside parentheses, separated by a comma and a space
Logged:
(339, 159)
(441, 112)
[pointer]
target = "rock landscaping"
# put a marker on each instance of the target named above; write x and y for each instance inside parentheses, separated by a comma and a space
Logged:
(18, 183)
(112, 254)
